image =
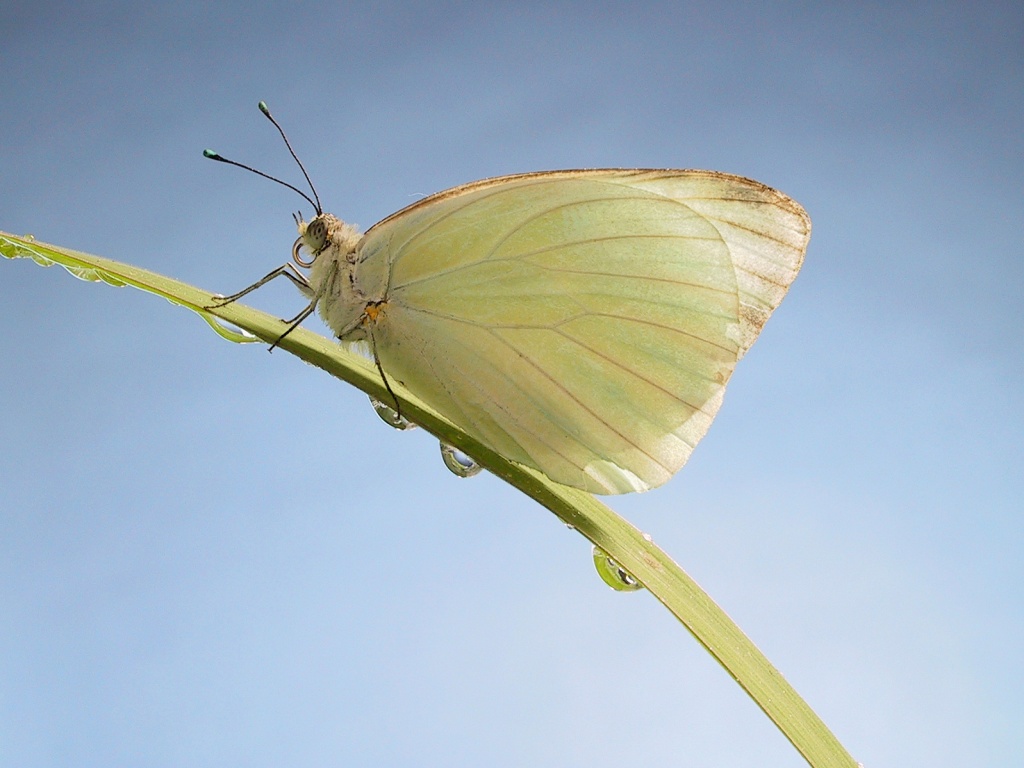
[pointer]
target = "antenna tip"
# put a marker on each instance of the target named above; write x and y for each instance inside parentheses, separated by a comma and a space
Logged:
(264, 108)
(211, 154)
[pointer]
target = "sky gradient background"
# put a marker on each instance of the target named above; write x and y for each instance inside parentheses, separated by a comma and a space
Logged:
(212, 556)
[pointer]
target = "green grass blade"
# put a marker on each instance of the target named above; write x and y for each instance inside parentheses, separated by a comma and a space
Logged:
(652, 567)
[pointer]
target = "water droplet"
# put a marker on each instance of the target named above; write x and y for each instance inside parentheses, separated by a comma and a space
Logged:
(648, 538)
(29, 237)
(613, 574)
(570, 526)
(459, 463)
(390, 416)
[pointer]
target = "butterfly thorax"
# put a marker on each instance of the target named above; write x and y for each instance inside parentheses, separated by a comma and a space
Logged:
(341, 299)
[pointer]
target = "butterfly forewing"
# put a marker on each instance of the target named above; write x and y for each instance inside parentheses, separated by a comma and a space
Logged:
(583, 323)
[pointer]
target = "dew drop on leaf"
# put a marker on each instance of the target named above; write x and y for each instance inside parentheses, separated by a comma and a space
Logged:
(613, 574)
(459, 463)
(390, 416)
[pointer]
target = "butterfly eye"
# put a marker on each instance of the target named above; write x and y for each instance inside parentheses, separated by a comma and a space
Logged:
(313, 240)
(316, 235)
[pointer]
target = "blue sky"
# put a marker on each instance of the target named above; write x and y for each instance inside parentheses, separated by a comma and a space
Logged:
(213, 556)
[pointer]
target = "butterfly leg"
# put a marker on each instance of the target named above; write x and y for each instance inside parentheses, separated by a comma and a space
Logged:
(384, 376)
(294, 323)
(286, 270)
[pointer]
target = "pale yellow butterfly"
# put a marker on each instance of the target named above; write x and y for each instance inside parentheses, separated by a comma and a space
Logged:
(582, 323)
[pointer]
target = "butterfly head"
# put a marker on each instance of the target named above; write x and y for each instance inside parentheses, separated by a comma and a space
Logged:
(324, 233)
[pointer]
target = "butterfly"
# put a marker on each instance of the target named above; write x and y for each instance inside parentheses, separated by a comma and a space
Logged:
(582, 322)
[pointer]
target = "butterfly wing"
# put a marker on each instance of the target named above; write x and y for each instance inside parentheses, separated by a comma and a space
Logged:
(583, 323)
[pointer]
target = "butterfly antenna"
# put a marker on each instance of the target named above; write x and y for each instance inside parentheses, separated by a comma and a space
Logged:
(266, 111)
(209, 153)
